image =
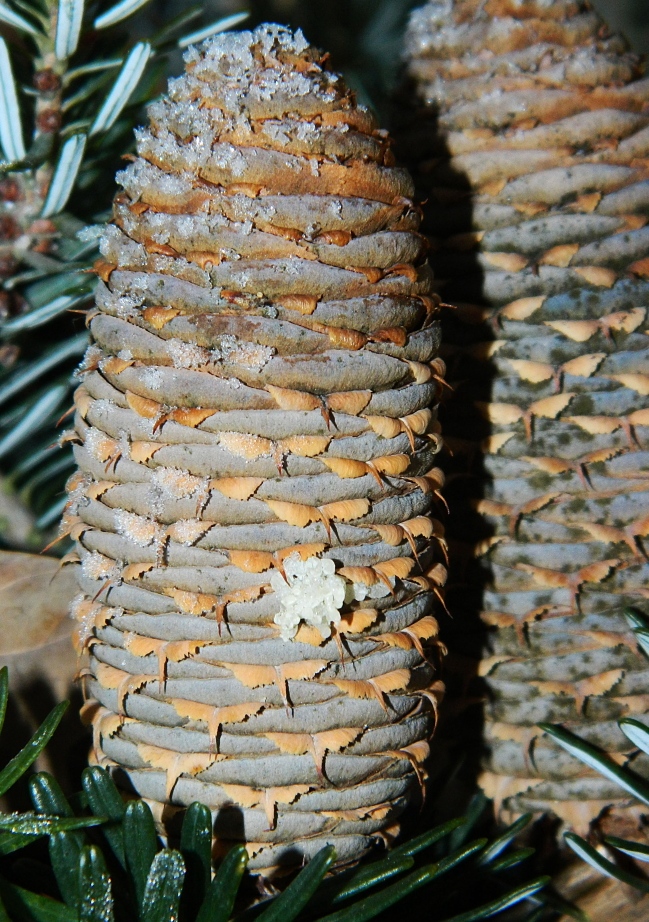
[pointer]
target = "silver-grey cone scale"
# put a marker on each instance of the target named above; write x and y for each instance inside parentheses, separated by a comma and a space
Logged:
(532, 145)
(256, 447)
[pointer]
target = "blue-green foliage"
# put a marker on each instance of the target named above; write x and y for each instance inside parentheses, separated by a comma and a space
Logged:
(107, 864)
(105, 77)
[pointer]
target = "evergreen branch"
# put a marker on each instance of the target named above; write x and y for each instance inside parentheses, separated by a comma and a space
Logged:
(68, 28)
(163, 888)
(91, 67)
(54, 512)
(123, 88)
(95, 896)
(13, 19)
(505, 839)
(69, 348)
(32, 825)
(43, 410)
(196, 846)
(595, 759)
(600, 863)
(60, 135)
(11, 131)
(219, 902)
(17, 767)
(377, 873)
(505, 902)
(221, 25)
(25, 905)
(119, 13)
(65, 175)
(633, 849)
(171, 29)
(286, 906)
(160, 881)
(43, 314)
(635, 731)
(140, 845)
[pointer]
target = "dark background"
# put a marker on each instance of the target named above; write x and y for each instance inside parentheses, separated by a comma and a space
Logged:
(630, 17)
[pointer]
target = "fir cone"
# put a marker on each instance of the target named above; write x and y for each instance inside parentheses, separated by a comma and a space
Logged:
(256, 453)
(531, 143)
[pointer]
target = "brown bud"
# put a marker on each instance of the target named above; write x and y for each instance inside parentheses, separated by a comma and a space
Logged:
(9, 228)
(48, 121)
(46, 81)
(9, 352)
(7, 266)
(42, 226)
(10, 191)
(44, 229)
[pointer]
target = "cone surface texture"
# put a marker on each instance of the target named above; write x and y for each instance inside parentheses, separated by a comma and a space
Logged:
(532, 146)
(256, 452)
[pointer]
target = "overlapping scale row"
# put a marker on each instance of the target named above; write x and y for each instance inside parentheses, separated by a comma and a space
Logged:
(532, 145)
(256, 448)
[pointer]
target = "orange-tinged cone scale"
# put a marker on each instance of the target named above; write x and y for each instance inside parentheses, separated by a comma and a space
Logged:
(531, 143)
(254, 507)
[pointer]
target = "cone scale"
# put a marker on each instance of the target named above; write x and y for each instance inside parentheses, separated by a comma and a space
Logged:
(256, 451)
(532, 145)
